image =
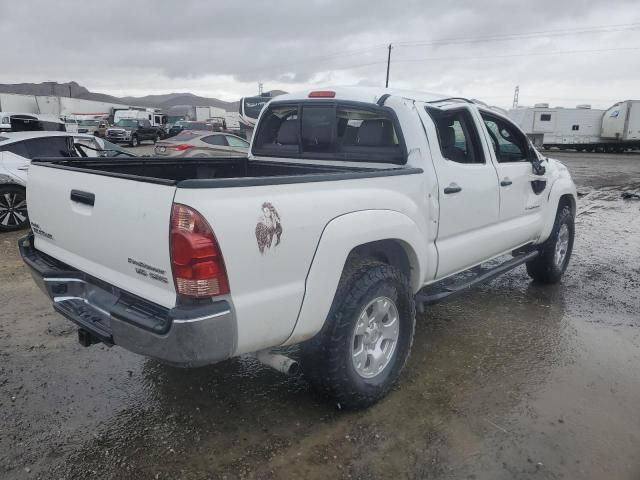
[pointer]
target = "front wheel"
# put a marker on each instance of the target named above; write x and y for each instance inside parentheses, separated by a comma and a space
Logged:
(555, 252)
(134, 141)
(13, 208)
(367, 337)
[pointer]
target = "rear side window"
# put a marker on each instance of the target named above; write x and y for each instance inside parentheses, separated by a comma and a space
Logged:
(458, 135)
(185, 136)
(215, 140)
(346, 131)
(48, 147)
(237, 142)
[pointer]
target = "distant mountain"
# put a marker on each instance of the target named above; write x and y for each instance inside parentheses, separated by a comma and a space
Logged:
(72, 89)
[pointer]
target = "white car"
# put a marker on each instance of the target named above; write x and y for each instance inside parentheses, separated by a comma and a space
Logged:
(354, 207)
(17, 149)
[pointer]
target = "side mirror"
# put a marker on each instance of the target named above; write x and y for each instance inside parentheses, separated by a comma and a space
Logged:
(536, 163)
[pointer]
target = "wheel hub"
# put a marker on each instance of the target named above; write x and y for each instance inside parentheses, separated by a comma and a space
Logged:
(562, 246)
(375, 337)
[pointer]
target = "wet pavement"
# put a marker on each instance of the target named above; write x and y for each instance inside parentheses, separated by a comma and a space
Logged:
(512, 380)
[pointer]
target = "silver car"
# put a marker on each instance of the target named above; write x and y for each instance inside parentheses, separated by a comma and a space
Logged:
(202, 144)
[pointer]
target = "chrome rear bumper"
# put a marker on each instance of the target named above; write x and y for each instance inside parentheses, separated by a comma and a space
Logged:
(186, 335)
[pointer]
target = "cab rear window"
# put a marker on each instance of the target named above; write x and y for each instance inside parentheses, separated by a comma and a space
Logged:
(330, 130)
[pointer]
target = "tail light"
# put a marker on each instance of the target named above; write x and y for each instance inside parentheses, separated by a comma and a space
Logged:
(196, 259)
(180, 147)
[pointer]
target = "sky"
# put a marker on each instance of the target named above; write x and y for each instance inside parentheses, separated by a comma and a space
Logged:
(563, 52)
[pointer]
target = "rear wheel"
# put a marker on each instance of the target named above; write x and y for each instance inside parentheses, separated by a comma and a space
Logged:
(367, 337)
(13, 208)
(555, 252)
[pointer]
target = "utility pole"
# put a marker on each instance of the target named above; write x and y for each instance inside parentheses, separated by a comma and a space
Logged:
(515, 96)
(260, 88)
(386, 85)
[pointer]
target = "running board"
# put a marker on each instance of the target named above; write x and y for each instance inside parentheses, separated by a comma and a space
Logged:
(447, 289)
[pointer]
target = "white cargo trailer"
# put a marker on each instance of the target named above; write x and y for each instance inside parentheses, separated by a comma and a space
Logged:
(622, 122)
(11, 102)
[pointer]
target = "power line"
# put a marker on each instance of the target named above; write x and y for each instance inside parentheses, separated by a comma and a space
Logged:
(484, 57)
(521, 36)
(451, 41)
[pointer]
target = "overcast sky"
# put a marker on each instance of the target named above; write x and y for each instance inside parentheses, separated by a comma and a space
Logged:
(560, 51)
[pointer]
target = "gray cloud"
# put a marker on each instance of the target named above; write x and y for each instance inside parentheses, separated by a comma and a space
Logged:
(222, 48)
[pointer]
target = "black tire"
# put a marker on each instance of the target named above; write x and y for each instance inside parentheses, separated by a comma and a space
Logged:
(327, 359)
(134, 141)
(546, 268)
(13, 208)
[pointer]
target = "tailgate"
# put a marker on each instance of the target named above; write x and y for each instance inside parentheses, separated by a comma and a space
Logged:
(114, 229)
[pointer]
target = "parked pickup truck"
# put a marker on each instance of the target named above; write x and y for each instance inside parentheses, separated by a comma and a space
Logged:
(132, 131)
(354, 207)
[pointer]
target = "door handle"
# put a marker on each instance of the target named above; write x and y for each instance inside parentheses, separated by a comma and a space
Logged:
(83, 197)
(505, 182)
(452, 188)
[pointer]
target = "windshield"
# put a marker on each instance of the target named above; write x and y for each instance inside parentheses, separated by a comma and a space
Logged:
(113, 150)
(181, 123)
(126, 123)
(254, 105)
(89, 123)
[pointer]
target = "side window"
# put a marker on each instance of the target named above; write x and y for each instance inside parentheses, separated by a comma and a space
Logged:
(215, 140)
(545, 117)
(236, 142)
(457, 135)
(146, 124)
(49, 147)
(509, 144)
(18, 148)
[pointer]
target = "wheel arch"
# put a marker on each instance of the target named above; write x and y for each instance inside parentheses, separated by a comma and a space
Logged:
(386, 235)
(563, 192)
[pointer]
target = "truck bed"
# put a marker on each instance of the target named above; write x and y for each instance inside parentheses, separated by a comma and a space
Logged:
(217, 172)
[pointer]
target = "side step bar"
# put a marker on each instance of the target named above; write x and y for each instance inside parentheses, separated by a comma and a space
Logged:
(445, 290)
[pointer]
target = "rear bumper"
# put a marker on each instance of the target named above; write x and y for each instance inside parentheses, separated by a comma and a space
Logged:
(186, 335)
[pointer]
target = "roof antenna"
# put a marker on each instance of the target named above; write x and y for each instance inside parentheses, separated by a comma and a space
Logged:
(386, 85)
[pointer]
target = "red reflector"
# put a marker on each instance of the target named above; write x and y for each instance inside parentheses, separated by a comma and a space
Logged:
(322, 94)
(181, 146)
(196, 260)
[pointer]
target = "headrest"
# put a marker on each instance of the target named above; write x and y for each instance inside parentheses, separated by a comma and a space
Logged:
(447, 136)
(288, 133)
(374, 133)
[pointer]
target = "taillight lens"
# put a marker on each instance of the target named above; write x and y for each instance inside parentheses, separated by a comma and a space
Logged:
(196, 260)
(181, 146)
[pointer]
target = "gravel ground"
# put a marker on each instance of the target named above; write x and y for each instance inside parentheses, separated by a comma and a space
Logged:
(512, 380)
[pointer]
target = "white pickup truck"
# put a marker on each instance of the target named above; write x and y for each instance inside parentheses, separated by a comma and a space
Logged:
(354, 207)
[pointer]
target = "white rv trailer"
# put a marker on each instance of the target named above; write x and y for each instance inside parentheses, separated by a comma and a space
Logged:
(561, 127)
(582, 128)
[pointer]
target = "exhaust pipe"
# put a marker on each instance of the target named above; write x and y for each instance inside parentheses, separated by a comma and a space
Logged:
(279, 362)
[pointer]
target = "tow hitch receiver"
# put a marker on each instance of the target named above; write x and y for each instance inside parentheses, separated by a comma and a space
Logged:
(85, 338)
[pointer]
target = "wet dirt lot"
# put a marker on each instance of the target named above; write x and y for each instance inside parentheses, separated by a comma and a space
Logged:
(512, 380)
